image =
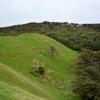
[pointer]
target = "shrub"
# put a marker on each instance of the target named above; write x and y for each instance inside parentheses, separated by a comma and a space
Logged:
(38, 67)
(53, 51)
(87, 84)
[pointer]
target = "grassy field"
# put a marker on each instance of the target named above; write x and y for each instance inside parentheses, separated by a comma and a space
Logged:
(16, 56)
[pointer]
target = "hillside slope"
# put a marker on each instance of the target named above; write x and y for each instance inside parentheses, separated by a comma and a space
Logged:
(15, 93)
(73, 35)
(18, 52)
(19, 86)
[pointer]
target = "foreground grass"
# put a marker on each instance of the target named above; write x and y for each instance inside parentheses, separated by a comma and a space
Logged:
(17, 53)
(8, 92)
(15, 79)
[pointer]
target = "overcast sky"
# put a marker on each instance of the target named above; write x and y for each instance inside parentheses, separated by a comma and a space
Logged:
(23, 11)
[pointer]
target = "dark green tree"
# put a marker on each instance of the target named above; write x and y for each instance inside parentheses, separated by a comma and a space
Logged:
(87, 84)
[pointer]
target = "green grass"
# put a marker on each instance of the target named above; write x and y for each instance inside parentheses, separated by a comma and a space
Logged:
(13, 78)
(8, 92)
(17, 53)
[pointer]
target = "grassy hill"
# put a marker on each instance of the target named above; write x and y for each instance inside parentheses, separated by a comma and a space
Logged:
(15, 85)
(73, 35)
(16, 56)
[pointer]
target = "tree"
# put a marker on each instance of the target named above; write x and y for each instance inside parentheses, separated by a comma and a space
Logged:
(87, 84)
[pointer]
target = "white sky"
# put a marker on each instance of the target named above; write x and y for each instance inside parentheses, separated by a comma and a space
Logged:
(23, 11)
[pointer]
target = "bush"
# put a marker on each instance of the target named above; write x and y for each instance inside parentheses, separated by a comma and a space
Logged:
(38, 67)
(53, 51)
(87, 84)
